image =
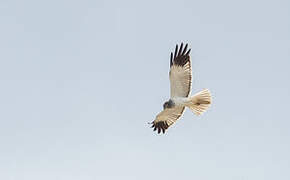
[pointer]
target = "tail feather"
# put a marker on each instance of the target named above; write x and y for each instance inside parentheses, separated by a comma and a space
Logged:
(200, 102)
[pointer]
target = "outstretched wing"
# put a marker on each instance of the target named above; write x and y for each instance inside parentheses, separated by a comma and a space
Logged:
(180, 72)
(166, 118)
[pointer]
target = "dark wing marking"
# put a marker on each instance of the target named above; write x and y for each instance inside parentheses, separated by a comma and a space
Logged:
(181, 56)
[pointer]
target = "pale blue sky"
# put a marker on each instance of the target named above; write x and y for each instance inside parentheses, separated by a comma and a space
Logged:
(79, 80)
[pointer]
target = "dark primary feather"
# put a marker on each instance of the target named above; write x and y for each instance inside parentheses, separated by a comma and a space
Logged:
(175, 53)
(171, 59)
(160, 126)
(181, 56)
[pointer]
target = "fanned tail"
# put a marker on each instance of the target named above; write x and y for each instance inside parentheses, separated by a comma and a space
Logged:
(200, 102)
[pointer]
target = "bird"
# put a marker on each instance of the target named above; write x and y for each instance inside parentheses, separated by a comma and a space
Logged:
(180, 76)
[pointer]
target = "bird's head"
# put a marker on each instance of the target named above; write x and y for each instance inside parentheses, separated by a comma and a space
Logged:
(165, 105)
(168, 104)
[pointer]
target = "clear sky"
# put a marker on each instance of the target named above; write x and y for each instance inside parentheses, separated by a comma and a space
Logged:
(79, 80)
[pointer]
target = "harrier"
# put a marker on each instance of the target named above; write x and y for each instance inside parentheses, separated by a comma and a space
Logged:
(180, 88)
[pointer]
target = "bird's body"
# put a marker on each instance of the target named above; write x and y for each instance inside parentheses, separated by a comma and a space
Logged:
(180, 101)
(175, 102)
(180, 88)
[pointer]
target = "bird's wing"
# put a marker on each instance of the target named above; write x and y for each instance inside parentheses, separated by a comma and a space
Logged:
(166, 118)
(180, 72)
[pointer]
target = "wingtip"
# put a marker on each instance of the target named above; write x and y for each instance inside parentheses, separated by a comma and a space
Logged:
(187, 54)
(180, 49)
(161, 127)
(181, 55)
(184, 50)
(171, 59)
(175, 52)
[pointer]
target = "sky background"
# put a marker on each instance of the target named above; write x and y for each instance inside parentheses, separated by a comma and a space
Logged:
(79, 80)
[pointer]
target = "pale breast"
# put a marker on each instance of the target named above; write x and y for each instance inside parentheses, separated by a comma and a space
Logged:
(180, 101)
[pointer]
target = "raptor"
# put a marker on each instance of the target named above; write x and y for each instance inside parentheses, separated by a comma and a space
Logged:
(180, 76)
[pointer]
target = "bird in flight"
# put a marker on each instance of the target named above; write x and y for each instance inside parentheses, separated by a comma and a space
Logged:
(180, 88)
